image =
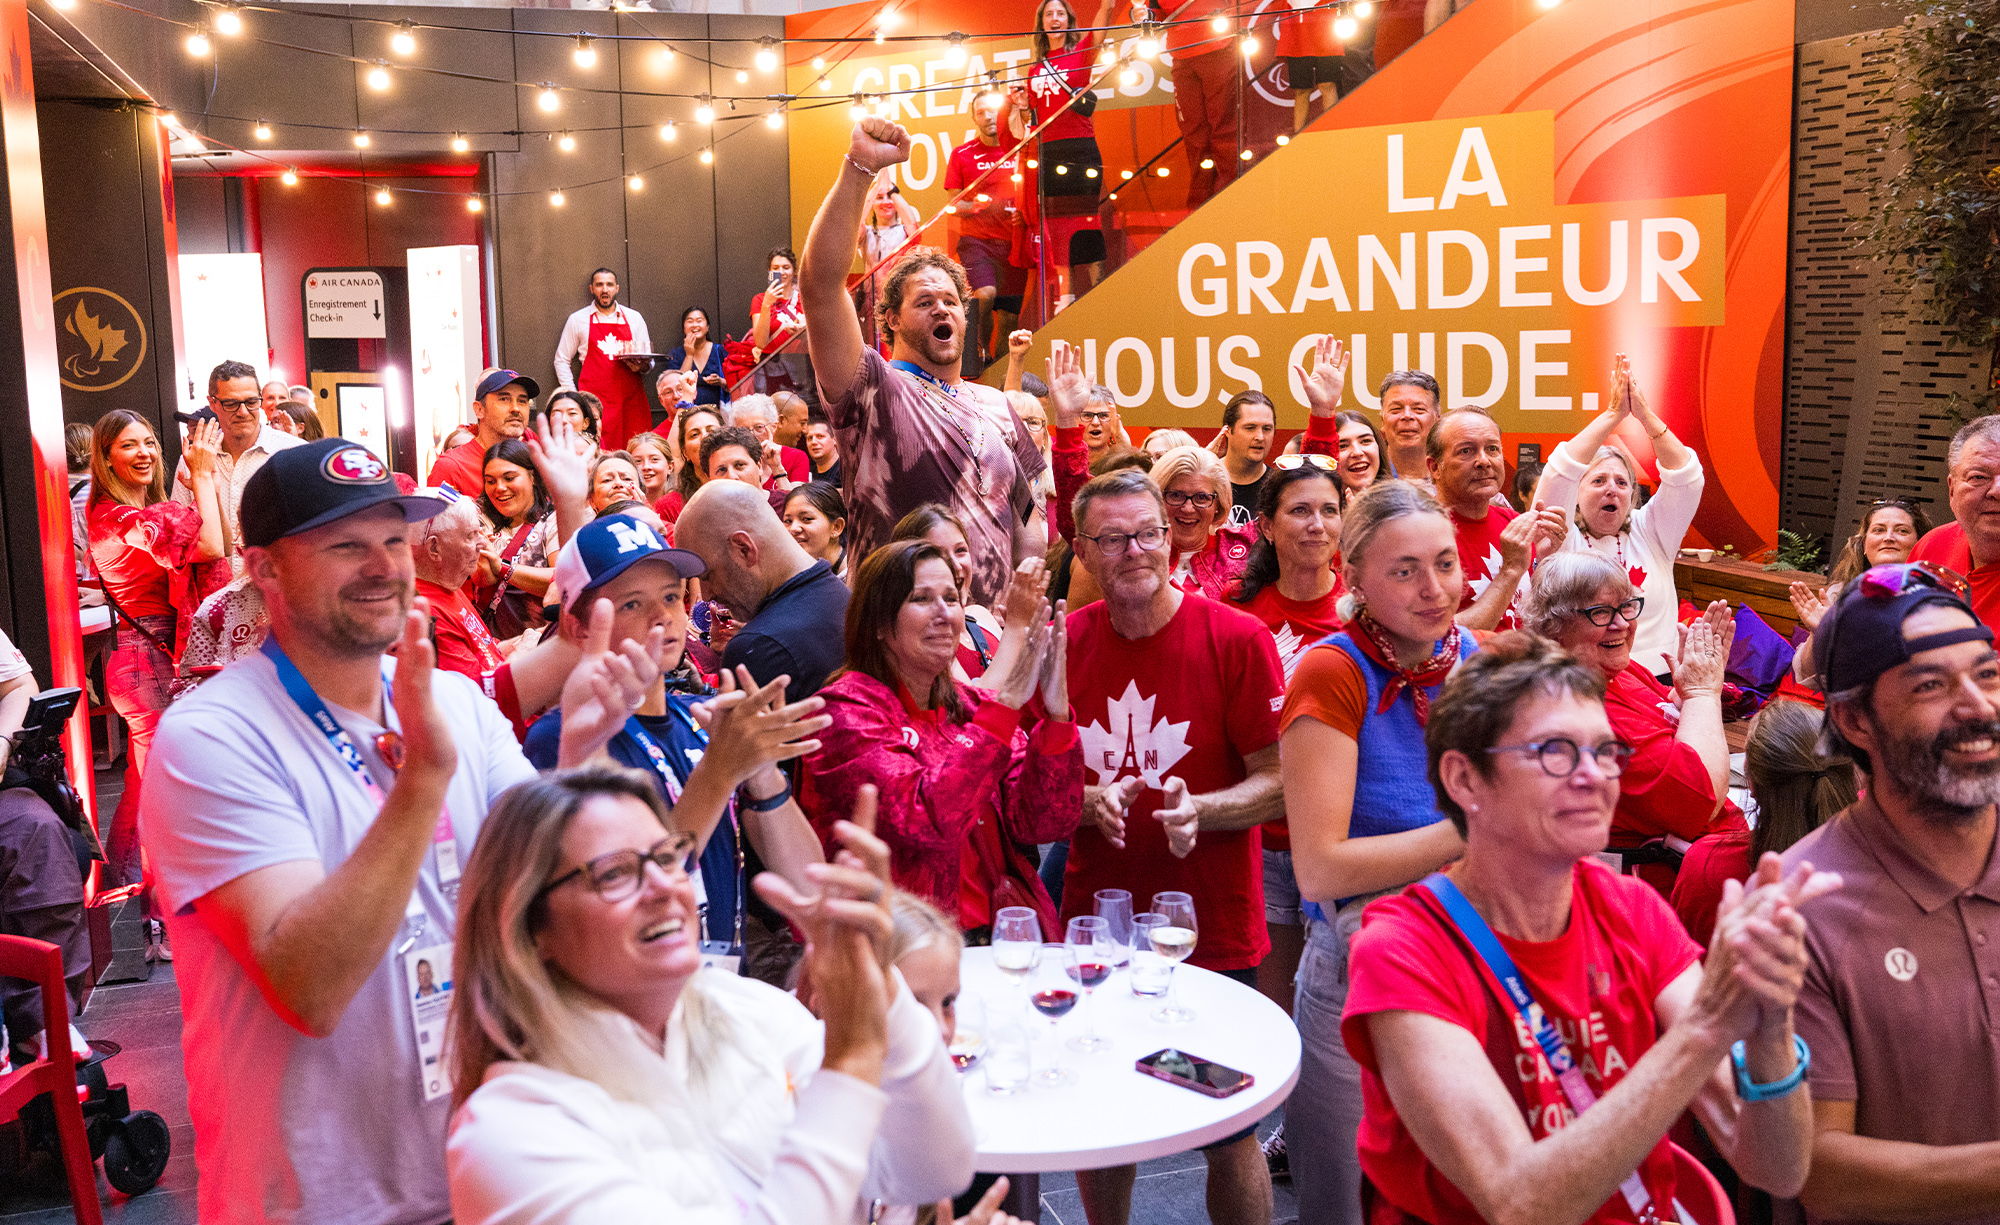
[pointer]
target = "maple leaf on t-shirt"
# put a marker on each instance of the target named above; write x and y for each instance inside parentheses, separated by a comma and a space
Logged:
(1133, 743)
(1290, 646)
(1493, 563)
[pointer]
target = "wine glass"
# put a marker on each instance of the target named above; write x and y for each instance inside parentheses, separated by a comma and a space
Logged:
(1115, 907)
(1174, 940)
(968, 1032)
(1149, 969)
(1054, 996)
(1093, 951)
(1017, 941)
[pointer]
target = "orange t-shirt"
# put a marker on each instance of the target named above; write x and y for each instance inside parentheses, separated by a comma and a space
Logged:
(1327, 686)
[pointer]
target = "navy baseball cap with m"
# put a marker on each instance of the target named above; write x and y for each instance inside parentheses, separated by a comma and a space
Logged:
(301, 488)
(606, 547)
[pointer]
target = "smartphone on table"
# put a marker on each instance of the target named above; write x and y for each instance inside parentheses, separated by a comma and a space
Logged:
(1193, 1072)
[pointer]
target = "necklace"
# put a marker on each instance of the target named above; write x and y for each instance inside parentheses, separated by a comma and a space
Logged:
(948, 406)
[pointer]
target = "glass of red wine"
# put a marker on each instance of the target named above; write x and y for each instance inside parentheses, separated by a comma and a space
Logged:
(1093, 954)
(1054, 996)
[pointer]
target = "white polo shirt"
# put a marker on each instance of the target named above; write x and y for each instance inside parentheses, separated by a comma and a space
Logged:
(232, 473)
(332, 1131)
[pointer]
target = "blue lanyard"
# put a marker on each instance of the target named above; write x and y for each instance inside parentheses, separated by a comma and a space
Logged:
(925, 375)
(1561, 1062)
(314, 709)
(672, 783)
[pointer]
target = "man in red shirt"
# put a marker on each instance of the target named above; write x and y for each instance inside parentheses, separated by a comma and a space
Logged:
(445, 551)
(1971, 543)
(1208, 63)
(1182, 767)
(985, 224)
(500, 407)
(1463, 452)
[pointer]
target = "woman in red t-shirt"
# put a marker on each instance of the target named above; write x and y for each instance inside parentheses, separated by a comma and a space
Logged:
(150, 553)
(1208, 555)
(1678, 783)
(778, 331)
(1289, 585)
(1070, 175)
(1466, 1119)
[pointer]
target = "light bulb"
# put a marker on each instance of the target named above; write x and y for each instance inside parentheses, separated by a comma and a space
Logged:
(856, 111)
(1247, 155)
(473, 204)
(767, 57)
(290, 178)
(1363, 8)
(555, 199)
(878, 35)
(361, 140)
(742, 77)
(1124, 174)
(228, 21)
(1062, 168)
(1129, 77)
(1106, 58)
(262, 131)
(1344, 28)
(197, 44)
(1249, 44)
(666, 55)
(954, 52)
(1090, 173)
(775, 120)
(1284, 139)
(705, 113)
(636, 183)
(378, 76)
(459, 144)
(566, 143)
(1162, 172)
(1221, 24)
(65, 5)
(667, 130)
(1016, 176)
(1208, 163)
(548, 100)
(585, 54)
(1148, 45)
(404, 40)
(382, 197)
(819, 63)
(708, 157)
(1114, 195)
(826, 83)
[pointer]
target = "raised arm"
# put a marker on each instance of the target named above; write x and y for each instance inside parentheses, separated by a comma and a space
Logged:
(204, 441)
(1698, 677)
(1671, 451)
(1324, 385)
(833, 333)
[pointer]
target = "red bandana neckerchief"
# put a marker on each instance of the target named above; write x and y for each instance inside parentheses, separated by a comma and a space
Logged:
(1375, 644)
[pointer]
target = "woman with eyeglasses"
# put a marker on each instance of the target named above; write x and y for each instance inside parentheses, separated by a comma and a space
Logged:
(1549, 1099)
(1677, 784)
(1596, 480)
(602, 1074)
(1360, 820)
(1208, 555)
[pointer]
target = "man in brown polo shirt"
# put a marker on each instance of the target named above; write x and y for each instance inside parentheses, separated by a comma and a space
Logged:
(1903, 983)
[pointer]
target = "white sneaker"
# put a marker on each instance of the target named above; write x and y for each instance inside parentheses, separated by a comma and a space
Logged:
(78, 1044)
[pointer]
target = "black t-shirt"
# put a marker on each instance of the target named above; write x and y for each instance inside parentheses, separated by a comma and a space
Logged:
(1244, 498)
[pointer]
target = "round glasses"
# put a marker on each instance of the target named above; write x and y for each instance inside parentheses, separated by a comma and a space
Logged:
(1600, 615)
(1180, 497)
(1559, 755)
(1112, 544)
(617, 876)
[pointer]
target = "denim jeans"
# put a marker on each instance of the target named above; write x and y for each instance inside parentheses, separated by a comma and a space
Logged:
(1324, 1111)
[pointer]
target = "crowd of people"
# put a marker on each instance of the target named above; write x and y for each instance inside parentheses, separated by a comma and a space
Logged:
(594, 830)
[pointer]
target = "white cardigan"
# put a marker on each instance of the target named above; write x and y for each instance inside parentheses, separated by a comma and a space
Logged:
(1650, 542)
(534, 1146)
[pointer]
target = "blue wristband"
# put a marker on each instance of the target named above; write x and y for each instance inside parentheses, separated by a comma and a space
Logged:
(770, 804)
(1751, 1091)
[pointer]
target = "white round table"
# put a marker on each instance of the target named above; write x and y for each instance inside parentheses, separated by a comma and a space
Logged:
(1114, 1114)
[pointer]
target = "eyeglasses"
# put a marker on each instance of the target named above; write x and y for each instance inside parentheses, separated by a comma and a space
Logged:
(1560, 756)
(617, 876)
(1177, 497)
(1112, 544)
(237, 406)
(1095, 418)
(1285, 463)
(1889, 581)
(1600, 615)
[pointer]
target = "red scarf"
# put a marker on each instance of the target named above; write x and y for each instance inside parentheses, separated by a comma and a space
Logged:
(1375, 644)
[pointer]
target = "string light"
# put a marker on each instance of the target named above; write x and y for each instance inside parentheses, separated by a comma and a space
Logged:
(404, 40)
(290, 178)
(378, 76)
(1208, 163)
(767, 54)
(548, 100)
(1017, 176)
(1283, 139)
(473, 204)
(1034, 164)
(667, 131)
(1129, 77)
(705, 112)
(1249, 44)
(954, 52)
(228, 20)
(64, 5)
(742, 77)
(360, 139)
(555, 199)
(819, 63)
(197, 43)
(1162, 172)
(1344, 28)
(775, 120)
(1247, 155)
(878, 36)
(856, 110)
(826, 83)
(1106, 58)
(262, 131)
(1363, 8)
(1062, 168)
(1090, 173)
(1126, 174)
(566, 143)
(636, 183)
(666, 56)
(459, 144)
(1148, 45)
(585, 54)
(1221, 24)
(708, 157)
(382, 197)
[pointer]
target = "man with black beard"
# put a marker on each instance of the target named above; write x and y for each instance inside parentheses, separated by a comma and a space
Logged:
(1902, 985)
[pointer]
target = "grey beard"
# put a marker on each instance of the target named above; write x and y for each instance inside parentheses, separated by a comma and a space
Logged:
(1948, 796)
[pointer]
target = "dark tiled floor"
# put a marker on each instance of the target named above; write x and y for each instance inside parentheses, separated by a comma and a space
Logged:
(144, 1016)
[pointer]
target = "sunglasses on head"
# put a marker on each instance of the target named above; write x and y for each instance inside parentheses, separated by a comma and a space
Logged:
(1287, 463)
(1889, 581)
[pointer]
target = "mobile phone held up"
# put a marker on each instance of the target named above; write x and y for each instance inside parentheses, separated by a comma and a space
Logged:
(1193, 1072)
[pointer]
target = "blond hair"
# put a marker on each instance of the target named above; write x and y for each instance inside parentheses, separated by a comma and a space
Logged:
(1201, 463)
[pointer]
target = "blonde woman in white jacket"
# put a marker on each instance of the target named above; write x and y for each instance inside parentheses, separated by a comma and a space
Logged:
(1595, 484)
(603, 1075)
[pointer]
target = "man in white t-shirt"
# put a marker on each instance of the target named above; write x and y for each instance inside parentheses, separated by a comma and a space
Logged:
(306, 813)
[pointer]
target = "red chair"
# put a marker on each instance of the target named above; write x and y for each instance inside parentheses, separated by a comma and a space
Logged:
(41, 962)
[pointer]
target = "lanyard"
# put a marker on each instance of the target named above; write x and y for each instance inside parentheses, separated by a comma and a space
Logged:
(926, 376)
(344, 748)
(672, 783)
(1568, 1075)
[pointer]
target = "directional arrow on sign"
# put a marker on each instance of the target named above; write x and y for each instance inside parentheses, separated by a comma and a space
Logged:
(378, 308)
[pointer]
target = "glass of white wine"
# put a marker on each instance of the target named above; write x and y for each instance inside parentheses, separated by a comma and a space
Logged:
(1017, 943)
(1174, 941)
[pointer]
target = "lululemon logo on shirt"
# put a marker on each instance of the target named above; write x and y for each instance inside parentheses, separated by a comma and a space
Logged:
(633, 535)
(910, 737)
(1901, 964)
(353, 466)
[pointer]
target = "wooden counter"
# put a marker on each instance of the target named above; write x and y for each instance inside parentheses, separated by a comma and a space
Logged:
(1742, 582)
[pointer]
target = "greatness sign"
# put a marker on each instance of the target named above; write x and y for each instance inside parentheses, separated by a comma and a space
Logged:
(1436, 245)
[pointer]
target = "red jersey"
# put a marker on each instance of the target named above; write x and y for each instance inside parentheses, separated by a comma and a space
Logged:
(1597, 981)
(1665, 788)
(1947, 546)
(1307, 32)
(1196, 720)
(1053, 80)
(464, 644)
(1479, 557)
(970, 161)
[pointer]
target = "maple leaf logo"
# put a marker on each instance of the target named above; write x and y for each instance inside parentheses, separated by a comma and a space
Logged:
(102, 343)
(1638, 576)
(1491, 564)
(1133, 743)
(1290, 646)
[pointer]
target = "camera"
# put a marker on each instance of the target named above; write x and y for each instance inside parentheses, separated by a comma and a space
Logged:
(37, 762)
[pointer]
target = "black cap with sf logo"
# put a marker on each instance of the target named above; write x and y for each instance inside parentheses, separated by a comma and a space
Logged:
(301, 488)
